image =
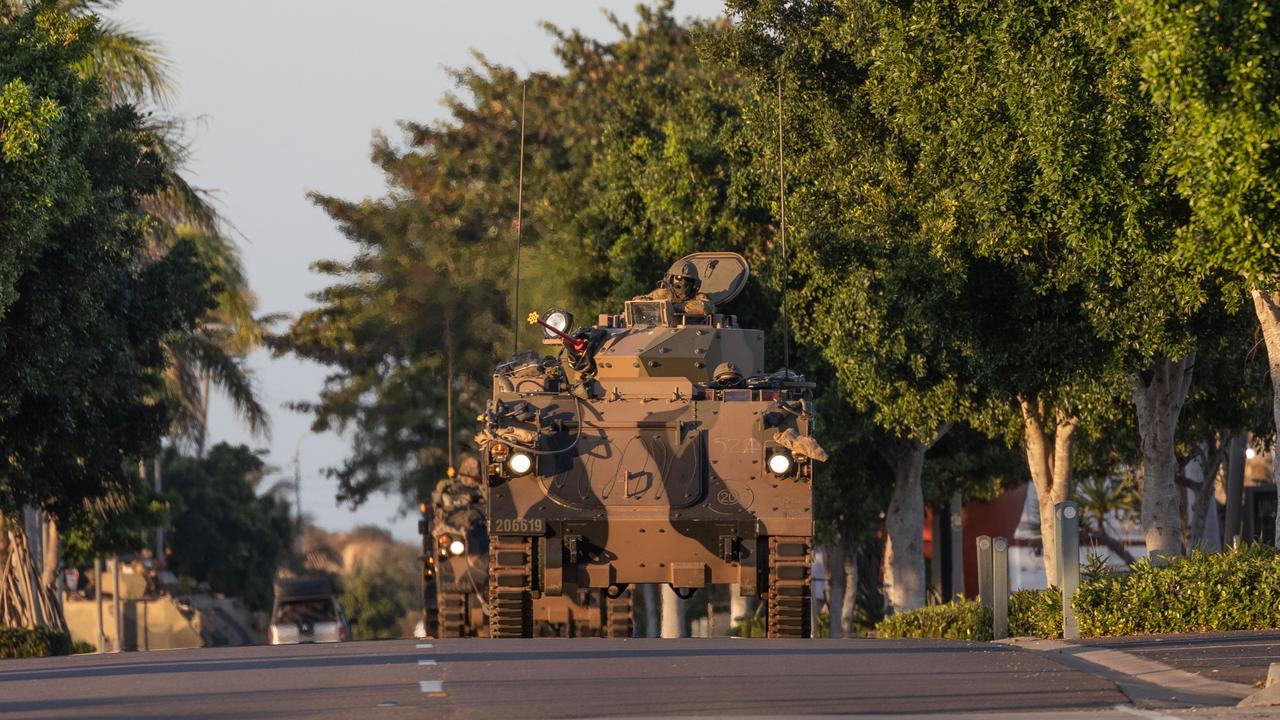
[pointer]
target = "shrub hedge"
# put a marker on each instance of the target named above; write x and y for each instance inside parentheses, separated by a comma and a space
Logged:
(1036, 613)
(16, 642)
(1234, 590)
(959, 620)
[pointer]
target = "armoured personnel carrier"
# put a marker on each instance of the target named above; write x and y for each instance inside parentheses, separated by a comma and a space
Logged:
(455, 555)
(654, 449)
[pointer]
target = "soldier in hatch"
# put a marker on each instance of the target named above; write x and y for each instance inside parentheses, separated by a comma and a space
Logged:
(461, 489)
(682, 287)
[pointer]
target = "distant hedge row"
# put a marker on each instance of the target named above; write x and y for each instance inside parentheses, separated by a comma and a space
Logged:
(16, 642)
(1234, 590)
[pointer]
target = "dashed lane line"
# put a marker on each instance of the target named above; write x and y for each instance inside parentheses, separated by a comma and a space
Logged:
(426, 661)
(424, 646)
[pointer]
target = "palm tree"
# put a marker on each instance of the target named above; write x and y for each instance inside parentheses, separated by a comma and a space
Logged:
(132, 69)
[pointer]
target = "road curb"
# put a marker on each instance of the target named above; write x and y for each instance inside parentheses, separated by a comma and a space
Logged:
(1147, 683)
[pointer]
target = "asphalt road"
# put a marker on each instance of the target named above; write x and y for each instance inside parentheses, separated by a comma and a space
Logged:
(1239, 657)
(552, 678)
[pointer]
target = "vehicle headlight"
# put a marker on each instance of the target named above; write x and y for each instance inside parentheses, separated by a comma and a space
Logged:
(457, 547)
(520, 463)
(780, 463)
(558, 319)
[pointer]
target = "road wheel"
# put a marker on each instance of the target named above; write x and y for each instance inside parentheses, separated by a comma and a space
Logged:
(453, 615)
(430, 600)
(790, 586)
(618, 615)
(510, 587)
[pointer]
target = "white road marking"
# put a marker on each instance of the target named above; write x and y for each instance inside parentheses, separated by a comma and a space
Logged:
(430, 686)
(425, 646)
(427, 661)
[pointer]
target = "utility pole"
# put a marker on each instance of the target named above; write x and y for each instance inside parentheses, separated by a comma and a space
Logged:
(97, 591)
(116, 607)
(297, 490)
(159, 486)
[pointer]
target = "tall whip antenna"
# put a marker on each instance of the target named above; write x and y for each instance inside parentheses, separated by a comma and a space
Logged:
(782, 207)
(515, 303)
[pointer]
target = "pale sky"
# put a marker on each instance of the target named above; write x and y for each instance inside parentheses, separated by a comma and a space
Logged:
(286, 95)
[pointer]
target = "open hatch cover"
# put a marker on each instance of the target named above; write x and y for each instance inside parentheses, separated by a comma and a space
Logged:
(723, 274)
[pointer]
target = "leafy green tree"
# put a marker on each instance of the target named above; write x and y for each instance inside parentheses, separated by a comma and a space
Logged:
(132, 69)
(373, 608)
(1214, 68)
(83, 323)
(227, 529)
(634, 157)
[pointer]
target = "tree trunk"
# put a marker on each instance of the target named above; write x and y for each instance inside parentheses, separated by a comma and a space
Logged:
(1202, 474)
(51, 547)
(1235, 487)
(24, 601)
(957, 545)
(672, 614)
(834, 554)
(904, 576)
(849, 607)
(1266, 306)
(1048, 453)
(1159, 403)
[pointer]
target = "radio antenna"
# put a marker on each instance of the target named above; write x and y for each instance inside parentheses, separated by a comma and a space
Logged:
(515, 302)
(782, 209)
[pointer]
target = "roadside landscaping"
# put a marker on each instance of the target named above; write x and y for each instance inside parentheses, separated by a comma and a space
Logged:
(1234, 590)
(16, 642)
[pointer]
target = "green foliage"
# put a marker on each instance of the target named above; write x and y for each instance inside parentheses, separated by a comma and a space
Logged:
(83, 318)
(376, 598)
(18, 642)
(751, 626)
(637, 153)
(1215, 69)
(226, 531)
(121, 523)
(1234, 590)
(1036, 613)
(958, 620)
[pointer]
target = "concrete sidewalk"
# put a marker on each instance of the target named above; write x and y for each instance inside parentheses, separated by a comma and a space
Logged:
(1200, 671)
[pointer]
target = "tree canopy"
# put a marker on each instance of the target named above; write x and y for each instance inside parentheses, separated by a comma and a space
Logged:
(85, 316)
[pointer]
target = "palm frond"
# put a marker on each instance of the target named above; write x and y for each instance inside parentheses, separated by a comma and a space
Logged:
(229, 375)
(131, 67)
(185, 390)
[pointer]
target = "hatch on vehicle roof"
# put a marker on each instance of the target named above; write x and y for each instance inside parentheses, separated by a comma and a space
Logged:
(723, 274)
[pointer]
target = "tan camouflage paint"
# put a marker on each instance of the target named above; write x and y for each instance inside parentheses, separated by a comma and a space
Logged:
(668, 481)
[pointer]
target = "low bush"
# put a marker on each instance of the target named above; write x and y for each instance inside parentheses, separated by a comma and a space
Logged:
(1234, 590)
(1036, 613)
(959, 620)
(16, 642)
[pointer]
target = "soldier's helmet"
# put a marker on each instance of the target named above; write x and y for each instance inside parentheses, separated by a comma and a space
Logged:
(683, 281)
(727, 374)
(469, 468)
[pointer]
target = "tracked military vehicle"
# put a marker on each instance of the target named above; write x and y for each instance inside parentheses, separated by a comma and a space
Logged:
(654, 449)
(455, 555)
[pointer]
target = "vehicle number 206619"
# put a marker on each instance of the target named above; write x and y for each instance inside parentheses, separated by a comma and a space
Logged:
(519, 526)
